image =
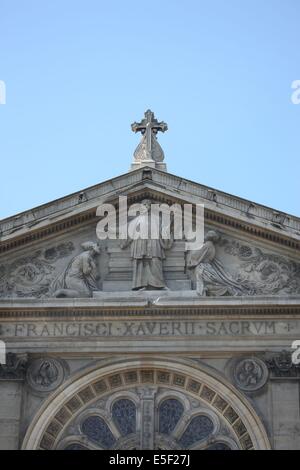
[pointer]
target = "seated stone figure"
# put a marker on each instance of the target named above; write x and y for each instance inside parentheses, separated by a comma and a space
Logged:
(79, 279)
(211, 277)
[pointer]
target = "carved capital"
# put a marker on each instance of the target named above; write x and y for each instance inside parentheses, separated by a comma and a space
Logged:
(280, 365)
(15, 367)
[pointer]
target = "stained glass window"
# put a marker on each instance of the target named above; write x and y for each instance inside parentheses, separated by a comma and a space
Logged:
(218, 446)
(96, 429)
(198, 429)
(170, 412)
(124, 416)
(75, 446)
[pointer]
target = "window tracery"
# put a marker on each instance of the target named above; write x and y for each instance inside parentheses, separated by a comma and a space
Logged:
(119, 424)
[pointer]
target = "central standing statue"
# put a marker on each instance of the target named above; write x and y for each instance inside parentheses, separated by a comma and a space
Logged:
(147, 254)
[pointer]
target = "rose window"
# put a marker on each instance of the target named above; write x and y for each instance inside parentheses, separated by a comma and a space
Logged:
(148, 419)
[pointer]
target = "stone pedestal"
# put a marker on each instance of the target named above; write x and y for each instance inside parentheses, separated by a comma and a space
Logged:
(148, 163)
(123, 286)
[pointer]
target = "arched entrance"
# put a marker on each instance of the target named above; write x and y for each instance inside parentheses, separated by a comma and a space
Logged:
(148, 403)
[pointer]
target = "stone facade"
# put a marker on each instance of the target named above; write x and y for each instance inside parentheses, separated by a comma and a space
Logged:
(201, 362)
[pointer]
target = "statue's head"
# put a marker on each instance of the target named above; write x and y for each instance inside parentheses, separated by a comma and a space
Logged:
(249, 366)
(212, 236)
(147, 203)
(91, 246)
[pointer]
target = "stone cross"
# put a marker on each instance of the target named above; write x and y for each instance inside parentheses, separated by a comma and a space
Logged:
(149, 127)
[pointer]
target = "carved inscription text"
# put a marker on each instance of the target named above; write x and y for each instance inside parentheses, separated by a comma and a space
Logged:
(148, 328)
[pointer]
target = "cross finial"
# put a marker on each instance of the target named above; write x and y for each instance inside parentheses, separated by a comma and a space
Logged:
(149, 152)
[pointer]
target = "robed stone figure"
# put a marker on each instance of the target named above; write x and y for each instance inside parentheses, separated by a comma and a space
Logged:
(79, 279)
(147, 253)
(211, 277)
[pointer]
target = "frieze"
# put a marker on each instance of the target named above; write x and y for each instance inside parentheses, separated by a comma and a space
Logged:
(168, 328)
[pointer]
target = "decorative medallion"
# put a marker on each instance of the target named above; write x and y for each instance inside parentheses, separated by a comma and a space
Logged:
(46, 374)
(250, 374)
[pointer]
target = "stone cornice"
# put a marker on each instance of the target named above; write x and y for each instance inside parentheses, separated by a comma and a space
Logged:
(91, 308)
(80, 207)
(211, 216)
(48, 231)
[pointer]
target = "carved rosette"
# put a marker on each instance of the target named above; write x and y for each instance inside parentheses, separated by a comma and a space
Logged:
(250, 374)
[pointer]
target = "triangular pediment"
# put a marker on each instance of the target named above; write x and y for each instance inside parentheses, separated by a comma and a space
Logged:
(279, 225)
(257, 248)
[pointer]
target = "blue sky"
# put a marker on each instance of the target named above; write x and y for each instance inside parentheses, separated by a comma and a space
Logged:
(78, 73)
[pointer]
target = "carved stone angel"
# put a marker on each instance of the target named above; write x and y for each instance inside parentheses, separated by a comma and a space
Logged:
(211, 277)
(79, 279)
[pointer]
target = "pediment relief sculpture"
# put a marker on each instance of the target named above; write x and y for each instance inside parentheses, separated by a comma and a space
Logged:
(80, 277)
(31, 275)
(223, 266)
(211, 277)
(251, 271)
(265, 273)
